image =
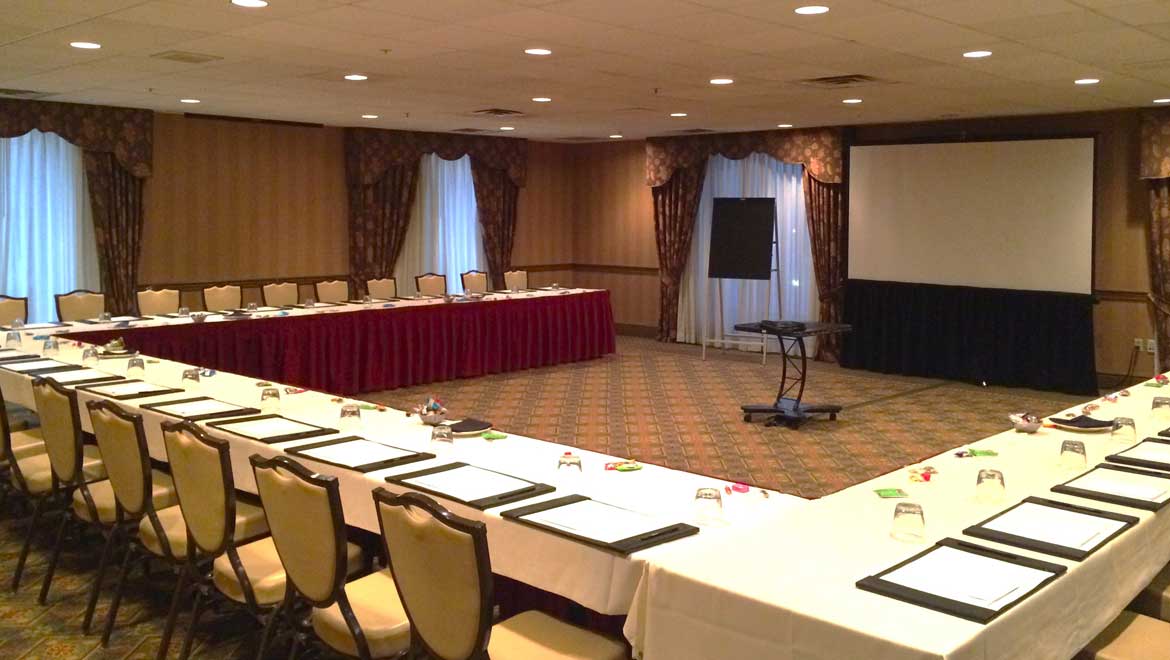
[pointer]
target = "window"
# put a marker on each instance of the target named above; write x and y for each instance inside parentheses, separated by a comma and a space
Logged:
(47, 242)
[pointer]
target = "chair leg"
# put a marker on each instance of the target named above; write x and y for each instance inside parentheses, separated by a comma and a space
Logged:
(296, 646)
(96, 589)
(52, 568)
(272, 623)
(173, 613)
(116, 601)
(32, 530)
(196, 610)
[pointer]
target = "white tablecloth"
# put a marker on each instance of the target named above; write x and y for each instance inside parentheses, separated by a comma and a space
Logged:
(787, 592)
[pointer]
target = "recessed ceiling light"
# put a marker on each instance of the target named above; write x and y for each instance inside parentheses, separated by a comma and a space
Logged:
(1161, 100)
(976, 54)
(85, 45)
(188, 100)
(507, 128)
(721, 81)
(538, 51)
(1086, 81)
(252, 4)
(542, 99)
(851, 101)
(616, 136)
(811, 10)
(356, 76)
(678, 114)
(369, 116)
(783, 125)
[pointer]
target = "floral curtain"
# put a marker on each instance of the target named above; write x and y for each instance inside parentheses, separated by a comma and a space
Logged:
(828, 232)
(119, 147)
(675, 205)
(1155, 168)
(380, 208)
(819, 150)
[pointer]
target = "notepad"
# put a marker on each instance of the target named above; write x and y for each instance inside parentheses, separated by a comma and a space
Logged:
(38, 326)
(269, 427)
(468, 483)
(78, 375)
(1071, 529)
(34, 365)
(126, 389)
(356, 453)
(597, 520)
(196, 408)
(1156, 452)
(12, 354)
(968, 578)
(1124, 484)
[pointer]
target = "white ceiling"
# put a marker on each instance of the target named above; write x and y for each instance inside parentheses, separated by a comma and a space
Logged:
(617, 66)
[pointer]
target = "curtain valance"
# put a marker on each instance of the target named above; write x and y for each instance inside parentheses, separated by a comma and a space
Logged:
(370, 152)
(1156, 144)
(818, 149)
(126, 133)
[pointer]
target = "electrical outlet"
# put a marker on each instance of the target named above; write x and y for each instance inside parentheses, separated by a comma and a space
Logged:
(1150, 345)
(1138, 343)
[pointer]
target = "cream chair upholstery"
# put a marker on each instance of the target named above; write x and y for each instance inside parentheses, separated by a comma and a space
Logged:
(308, 529)
(157, 303)
(474, 281)
(1131, 636)
(79, 305)
(386, 288)
(12, 309)
(431, 284)
(279, 294)
(516, 280)
(17, 445)
(442, 571)
(220, 298)
(332, 291)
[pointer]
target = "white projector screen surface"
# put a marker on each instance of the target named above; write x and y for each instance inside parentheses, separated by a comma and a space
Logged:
(1004, 215)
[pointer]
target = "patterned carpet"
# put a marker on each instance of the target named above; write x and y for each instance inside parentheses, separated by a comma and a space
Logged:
(660, 403)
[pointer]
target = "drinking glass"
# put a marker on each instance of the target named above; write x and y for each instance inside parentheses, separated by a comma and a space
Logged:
(351, 417)
(309, 302)
(270, 400)
(366, 299)
(12, 339)
(1072, 455)
(569, 462)
(1124, 431)
(51, 347)
(17, 324)
(442, 439)
(909, 524)
(252, 307)
(190, 380)
(1160, 410)
(105, 317)
(136, 367)
(89, 356)
(708, 505)
(989, 487)
(184, 312)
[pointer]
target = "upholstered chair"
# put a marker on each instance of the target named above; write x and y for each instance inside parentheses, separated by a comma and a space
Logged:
(221, 298)
(474, 281)
(516, 280)
(13, 309)
(279, 294)
(386, 288)
(80, 304)
(430, 284)
(332, 291)
(157, 303)
(443, 574)
(1131, 636)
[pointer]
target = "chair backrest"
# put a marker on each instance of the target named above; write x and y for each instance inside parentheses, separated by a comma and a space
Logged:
(6, 446)
(201, 469)
(219, 298)
(430, 284)
(122, 441)
(332, 291)
(279, 294)
(155, 303)
(60, 428)
(385, 288)
(516, 280)
(474, 281)
(441, 567)
(13, 308)
(80, 304)
(307, 525)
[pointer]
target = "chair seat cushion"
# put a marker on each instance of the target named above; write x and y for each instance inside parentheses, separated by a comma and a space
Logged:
(102, 492)
(250, 523)
(27, 443)
(265, 573)
(383, 621)
(38, 475)
(1131, 636)
(1154, 600)
(534, 635)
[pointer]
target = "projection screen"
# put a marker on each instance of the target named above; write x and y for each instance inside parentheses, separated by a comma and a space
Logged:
(1010, 215)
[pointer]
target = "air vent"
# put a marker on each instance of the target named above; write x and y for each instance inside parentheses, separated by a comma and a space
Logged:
(578, 139)
(693, 131)
(636, 109)
(498, 112)
(838, 82)
(23, 93)
(186, 57)
(468, 130)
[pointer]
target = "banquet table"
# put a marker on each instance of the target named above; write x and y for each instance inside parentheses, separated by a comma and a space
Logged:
(355, 348)
(789, 592)
(601, 580)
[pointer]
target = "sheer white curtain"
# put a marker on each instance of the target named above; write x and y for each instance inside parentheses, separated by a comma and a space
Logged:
(444, 235)
(47, 244)
(758, 175)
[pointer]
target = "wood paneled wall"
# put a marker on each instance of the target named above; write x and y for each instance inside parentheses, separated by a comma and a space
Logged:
(237, 200)
(544, 216)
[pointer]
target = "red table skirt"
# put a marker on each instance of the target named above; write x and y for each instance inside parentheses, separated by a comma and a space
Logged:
(381, 349)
